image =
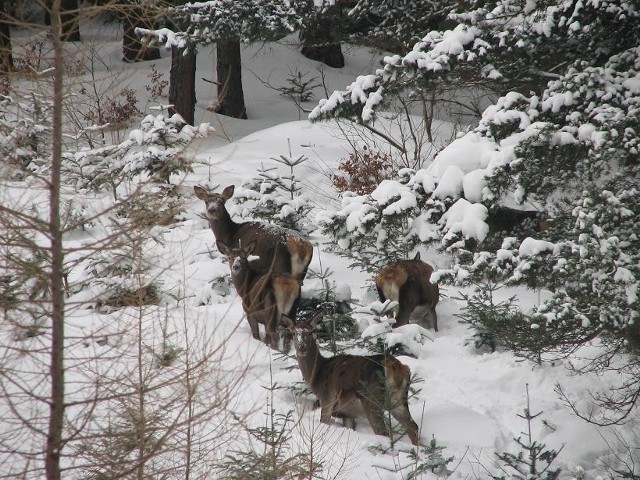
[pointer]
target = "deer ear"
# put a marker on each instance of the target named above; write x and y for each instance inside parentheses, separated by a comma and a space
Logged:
(223, 248)
(227, 193)
(417, 257)
(287, 322)
(248, 250)
(317, 319)
(200, 192)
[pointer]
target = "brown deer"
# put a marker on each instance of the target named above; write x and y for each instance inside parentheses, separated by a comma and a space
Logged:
(408, 283)
(279, 250)
(266, 297)
(351, 385)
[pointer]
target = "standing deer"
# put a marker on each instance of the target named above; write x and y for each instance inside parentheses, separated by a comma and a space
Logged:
(266, 297)
(350, 385)
(280, 250)
(408, 282)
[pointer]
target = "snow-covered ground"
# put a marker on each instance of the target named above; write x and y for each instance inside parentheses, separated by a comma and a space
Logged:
(468, 401)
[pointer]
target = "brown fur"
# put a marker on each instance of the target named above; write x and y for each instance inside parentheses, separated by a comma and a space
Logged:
(265, 297)
(351, 385)
(275, 246)
(408, 283)
(300, 252)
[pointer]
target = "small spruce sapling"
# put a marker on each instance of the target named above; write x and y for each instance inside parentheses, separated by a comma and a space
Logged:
(500, 324)
(533, 461)
(299, 88)
(269, 455)
(276, 198)
(339, 326)
(429, 458)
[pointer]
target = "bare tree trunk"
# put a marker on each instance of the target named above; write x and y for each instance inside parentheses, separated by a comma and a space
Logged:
(182, 83)
(229, 72)
(56, 402)
(134, 49)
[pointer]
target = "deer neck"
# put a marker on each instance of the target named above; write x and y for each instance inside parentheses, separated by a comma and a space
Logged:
(311, 363)
(224, 228)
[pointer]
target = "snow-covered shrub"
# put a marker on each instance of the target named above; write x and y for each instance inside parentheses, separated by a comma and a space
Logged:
(380, 227)
(380, 336)
(24, 130)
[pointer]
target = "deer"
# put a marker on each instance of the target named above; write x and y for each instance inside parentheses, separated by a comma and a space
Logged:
(408, 282)
(280, 250)
(266, 297)
(348, 386)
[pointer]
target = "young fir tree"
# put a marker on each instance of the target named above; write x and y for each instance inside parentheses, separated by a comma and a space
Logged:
(276, 198)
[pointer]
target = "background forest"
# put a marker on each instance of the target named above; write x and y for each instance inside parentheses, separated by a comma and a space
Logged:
(498, 139)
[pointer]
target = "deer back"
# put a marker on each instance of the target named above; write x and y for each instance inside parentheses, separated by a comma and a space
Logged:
(408, 281)
(381, 378)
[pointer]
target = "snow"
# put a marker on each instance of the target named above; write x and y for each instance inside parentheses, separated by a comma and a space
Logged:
(469, 400)
(466, 218)
(531, 247)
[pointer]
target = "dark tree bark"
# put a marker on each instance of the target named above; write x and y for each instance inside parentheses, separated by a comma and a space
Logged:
(135, 49)
(6, 56)
(229, 71)
(182, 83)
(318, 42)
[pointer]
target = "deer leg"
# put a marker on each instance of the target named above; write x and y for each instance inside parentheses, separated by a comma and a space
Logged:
(253, 325)
(349, 422)
(432, 318)
(404, 313)
(285, 335)
(401, 414)
(326, 410)
(375, 414)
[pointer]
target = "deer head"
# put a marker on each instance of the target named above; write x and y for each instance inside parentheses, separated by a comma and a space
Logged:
(215, 202)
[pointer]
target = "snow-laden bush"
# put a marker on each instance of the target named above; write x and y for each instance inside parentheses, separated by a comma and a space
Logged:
(151, 151)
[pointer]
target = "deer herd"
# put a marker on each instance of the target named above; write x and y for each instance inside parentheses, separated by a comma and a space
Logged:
(268, 264)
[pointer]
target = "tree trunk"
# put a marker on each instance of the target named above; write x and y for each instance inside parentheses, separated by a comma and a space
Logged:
(182, 83)
(229, 72)
(55, 430)
(135, 49)
(69, 21)
(6, 56)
